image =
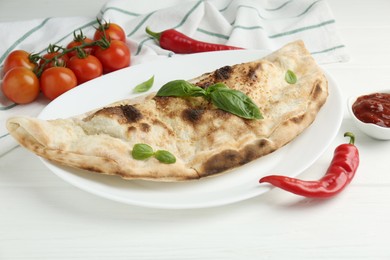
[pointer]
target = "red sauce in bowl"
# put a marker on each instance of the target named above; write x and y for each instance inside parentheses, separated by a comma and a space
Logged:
(373, 108)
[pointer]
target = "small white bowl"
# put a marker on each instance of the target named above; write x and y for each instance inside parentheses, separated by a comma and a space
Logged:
(375, 131)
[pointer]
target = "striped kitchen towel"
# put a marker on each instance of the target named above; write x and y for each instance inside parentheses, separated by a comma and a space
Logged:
(251, 24)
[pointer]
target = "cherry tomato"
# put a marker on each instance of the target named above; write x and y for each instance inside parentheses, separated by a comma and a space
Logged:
(78, 42)
(112, 31)
(115, 57)
(18, 58)
(85, 68)
(56, 81)
(20, 85)
(58, 60)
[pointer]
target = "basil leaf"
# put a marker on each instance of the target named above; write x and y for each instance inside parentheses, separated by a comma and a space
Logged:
(180, 88)
(229, 100)
(235, 102)
(142, 151)
(144, 86)
(290, 77)
(165, 156)
(215, 87)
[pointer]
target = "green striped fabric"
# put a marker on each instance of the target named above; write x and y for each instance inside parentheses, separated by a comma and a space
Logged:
(251, 24)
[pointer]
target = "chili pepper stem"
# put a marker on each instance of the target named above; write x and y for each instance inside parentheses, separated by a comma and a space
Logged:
(155, 35)
(351, 136)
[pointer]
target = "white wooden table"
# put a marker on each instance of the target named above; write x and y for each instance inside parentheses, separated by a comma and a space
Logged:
(43, 217)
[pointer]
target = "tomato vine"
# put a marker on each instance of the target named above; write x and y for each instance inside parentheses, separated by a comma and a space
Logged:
(86, 58)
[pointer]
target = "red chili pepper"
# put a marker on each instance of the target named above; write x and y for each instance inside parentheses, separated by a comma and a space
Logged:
(339, 174)
(179, 43)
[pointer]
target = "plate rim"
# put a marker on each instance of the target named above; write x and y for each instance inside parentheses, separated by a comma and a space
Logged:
(52, 166)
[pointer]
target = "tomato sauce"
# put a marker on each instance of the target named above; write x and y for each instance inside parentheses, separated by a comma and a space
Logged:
(373, 108)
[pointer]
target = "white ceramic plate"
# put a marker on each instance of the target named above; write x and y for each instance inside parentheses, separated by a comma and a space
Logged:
(240, 184)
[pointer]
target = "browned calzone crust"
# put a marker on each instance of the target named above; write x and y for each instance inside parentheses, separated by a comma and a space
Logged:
(204, 139)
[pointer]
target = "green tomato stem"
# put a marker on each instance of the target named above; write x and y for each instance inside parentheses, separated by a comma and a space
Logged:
(102, 43)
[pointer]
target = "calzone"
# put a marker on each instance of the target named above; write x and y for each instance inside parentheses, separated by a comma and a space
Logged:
(204, 140)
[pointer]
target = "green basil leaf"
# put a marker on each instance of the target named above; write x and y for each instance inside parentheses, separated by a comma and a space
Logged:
(144, 86)
(290, 77)
(235, 102)
(180, 88)
(165, 156)
(229, 100)
(142, 151)
(215, 87)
